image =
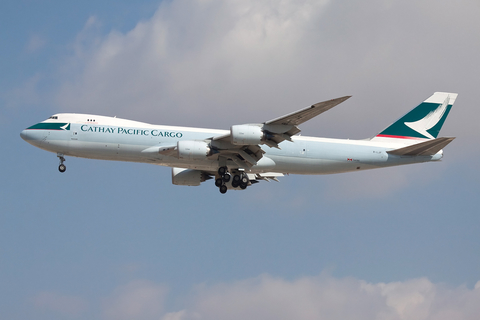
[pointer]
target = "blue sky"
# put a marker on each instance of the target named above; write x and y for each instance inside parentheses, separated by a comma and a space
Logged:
(110, 240)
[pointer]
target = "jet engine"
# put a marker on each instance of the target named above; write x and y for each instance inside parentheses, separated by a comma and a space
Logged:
(246, 134)
(193, 149)
(188, 177)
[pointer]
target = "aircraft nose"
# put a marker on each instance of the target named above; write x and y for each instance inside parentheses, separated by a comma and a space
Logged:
(24, 135)
(34, 137)
(29, 135)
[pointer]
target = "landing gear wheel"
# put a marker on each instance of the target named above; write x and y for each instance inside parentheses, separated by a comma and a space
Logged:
(218, 182)
(243, 186)
(235, 183)
(236, 178)
(223, 188)
(61, 167)
(244, 179)
(222, 171)
(226, 178)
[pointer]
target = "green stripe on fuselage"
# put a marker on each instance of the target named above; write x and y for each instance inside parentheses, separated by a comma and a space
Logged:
(50, 126)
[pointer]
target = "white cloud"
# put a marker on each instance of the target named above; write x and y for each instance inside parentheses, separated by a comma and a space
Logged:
(410, 300)
(175, 315)
(325, 297)
(193, 58)
(254, 60)
(321, 297)
(266, 297)
(138, 299)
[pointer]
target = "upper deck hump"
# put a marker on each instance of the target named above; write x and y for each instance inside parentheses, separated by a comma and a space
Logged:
(91, 119)
(81, 118)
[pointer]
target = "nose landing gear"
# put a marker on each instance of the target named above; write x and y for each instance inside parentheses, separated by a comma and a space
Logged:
(62, 168)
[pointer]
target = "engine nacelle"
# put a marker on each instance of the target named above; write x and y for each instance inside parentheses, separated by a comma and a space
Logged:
(246, 134)
(193, 149)
(187, 177)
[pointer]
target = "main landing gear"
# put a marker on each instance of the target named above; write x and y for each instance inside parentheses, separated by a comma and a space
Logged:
(239, 179)
(62, 168)
(224, 178)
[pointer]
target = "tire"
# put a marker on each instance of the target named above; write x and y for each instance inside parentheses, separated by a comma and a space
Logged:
(244, 179)
(235, 184)
(218, 182)
(236, 178)
(226, 178)
(223, 188)
(62, 168)
(222, 171)
(243, 186)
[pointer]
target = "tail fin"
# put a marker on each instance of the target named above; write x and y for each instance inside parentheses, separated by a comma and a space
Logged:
(424, 121)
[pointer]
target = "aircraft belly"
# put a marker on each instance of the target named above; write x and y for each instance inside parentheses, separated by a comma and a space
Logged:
(318, 157)
(133, 153)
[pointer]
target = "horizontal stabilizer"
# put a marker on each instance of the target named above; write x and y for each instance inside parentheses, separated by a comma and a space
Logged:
(427, 148)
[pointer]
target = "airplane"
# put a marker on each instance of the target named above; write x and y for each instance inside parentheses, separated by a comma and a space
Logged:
(247, 153)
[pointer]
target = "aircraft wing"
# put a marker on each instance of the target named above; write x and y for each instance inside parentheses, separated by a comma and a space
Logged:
(299, 117)
(242, 144)
(284, 127)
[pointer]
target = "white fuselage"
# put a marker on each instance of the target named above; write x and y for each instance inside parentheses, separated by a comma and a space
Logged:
(108, 138)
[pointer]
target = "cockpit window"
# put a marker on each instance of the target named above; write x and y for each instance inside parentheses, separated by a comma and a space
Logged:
(53, 117)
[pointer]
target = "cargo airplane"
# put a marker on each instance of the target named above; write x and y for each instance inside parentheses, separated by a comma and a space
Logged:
(247, 153)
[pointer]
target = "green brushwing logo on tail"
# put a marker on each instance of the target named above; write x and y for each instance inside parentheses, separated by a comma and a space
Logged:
(423, 122)
(430, 120)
